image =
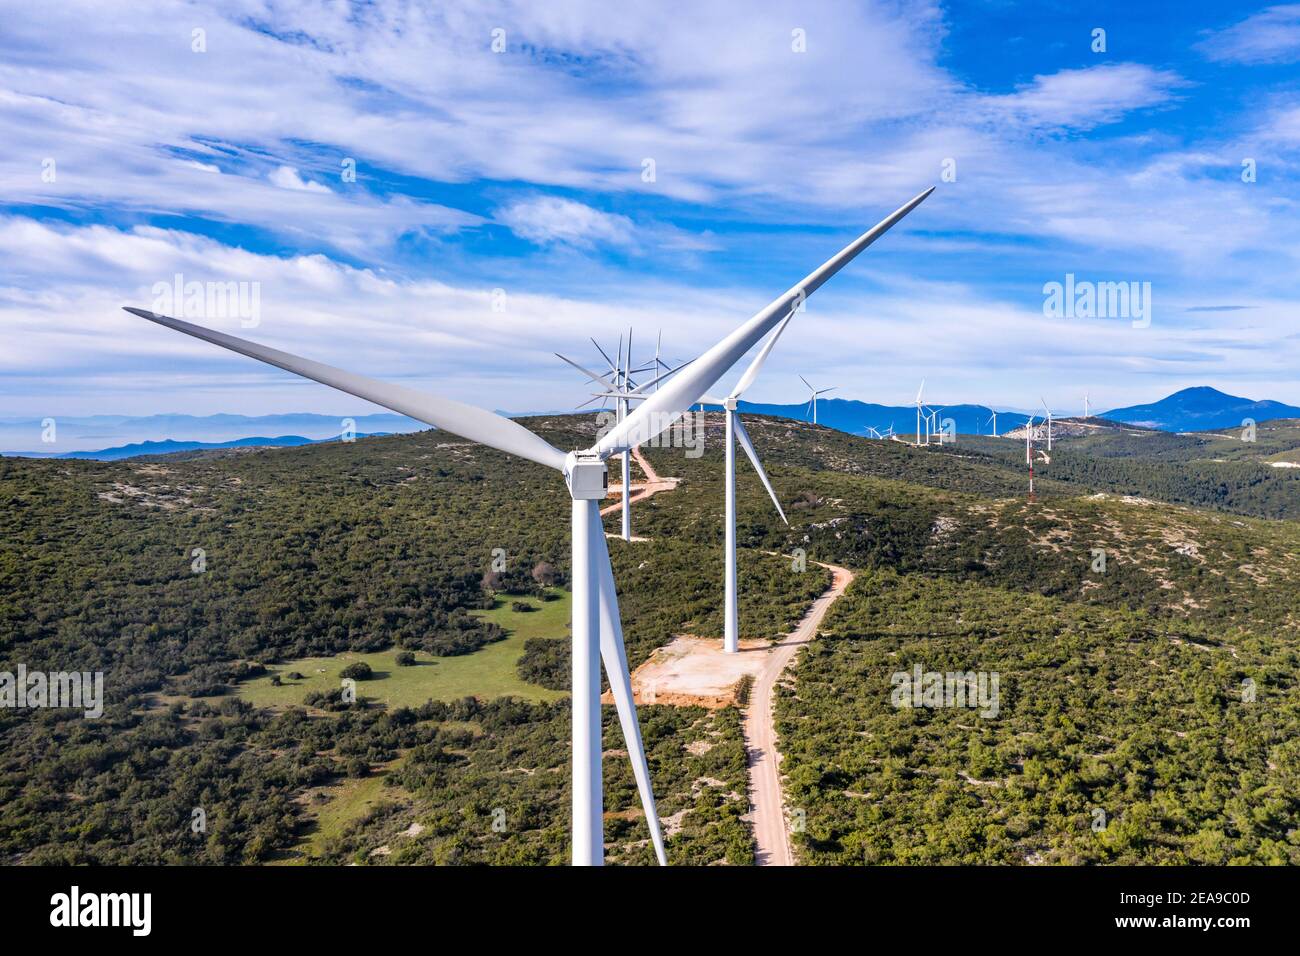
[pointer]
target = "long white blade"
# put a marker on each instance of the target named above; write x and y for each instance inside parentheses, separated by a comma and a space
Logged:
(751, 373)
(919, 391)
(675, 398)
(612, 367)
(806, 382)
(614, 656)
(468, 421)
(598, 379)
(743, 437)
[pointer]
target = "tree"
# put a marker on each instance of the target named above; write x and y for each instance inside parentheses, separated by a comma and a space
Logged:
(359, 670)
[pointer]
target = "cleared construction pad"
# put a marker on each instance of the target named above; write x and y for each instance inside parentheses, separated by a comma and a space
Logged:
(696, 672)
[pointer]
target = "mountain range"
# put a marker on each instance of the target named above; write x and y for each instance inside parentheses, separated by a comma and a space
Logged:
(1198, 409)
(1192, 409)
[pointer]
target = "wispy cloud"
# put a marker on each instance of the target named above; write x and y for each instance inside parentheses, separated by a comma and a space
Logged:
(768, 136)
(545, 220)
(1270, 36)
(1085, 98)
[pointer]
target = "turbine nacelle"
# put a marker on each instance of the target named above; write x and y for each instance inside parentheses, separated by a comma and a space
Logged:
(586, 474)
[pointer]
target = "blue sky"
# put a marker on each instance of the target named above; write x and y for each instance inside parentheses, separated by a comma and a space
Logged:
(522, 171)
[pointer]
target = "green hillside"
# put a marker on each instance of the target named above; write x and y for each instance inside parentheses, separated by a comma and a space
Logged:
(1122, 687)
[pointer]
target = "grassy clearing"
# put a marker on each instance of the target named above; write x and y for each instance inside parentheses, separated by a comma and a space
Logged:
(487, 673)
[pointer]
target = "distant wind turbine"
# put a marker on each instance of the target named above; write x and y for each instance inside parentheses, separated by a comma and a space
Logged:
(918, 415)
(622, 388)
(814, 392)
(1049, 422)
(994, 419)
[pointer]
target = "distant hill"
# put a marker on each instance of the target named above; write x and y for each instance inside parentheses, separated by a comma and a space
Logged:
(1196, 409)
(848, 415)
(26, 436)
(137, 449)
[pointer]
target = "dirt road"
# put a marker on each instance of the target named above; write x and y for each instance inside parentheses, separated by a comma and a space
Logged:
(643, 490)
(767, 810)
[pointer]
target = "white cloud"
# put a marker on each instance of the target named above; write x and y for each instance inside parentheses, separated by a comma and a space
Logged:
(1269, 36)
(746, 135)
(1085, 98)
(286, 177)
(71, 347)
(550, 219)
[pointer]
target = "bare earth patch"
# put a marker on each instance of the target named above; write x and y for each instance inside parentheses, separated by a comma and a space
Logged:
(696, 672)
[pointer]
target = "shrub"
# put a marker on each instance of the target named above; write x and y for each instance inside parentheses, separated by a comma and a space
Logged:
(359, 670)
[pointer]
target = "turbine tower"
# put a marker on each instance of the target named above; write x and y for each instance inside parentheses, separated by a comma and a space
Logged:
(736, 432)
(597, 630)
(918, 416)
(813, 393)
(1029, 453)
(1086, 413)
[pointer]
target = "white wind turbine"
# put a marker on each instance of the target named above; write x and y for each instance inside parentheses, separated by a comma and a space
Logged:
(1049, 422)
(1086, 413)
(618, 385)
(932, 425)
(736, 432)
(813, 393)
(597, 627)
(994, 419)
(919, 405)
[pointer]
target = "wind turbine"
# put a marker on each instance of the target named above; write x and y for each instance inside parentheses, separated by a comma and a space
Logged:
(932, 425)
(619, 386)
(736, 432)
(597, 628)
(918, 416)
(1029, 453)
(874, 432)
(814, 392)
(1049, 422)
(994, 419)
(1085, 406)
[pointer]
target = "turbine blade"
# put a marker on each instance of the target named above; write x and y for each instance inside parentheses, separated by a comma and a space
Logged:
(468, 421)
(600, 379)
(751, 373)
(745, 443)
(667, 405)
(612, 367)
(614, 656)
(656, 380)
(919, 391)
(806, 382)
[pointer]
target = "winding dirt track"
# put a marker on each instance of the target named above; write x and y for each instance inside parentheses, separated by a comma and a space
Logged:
(767, 813)
(640, 491)
(767, 804)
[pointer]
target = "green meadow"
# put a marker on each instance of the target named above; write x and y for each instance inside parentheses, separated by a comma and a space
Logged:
(487, 673)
